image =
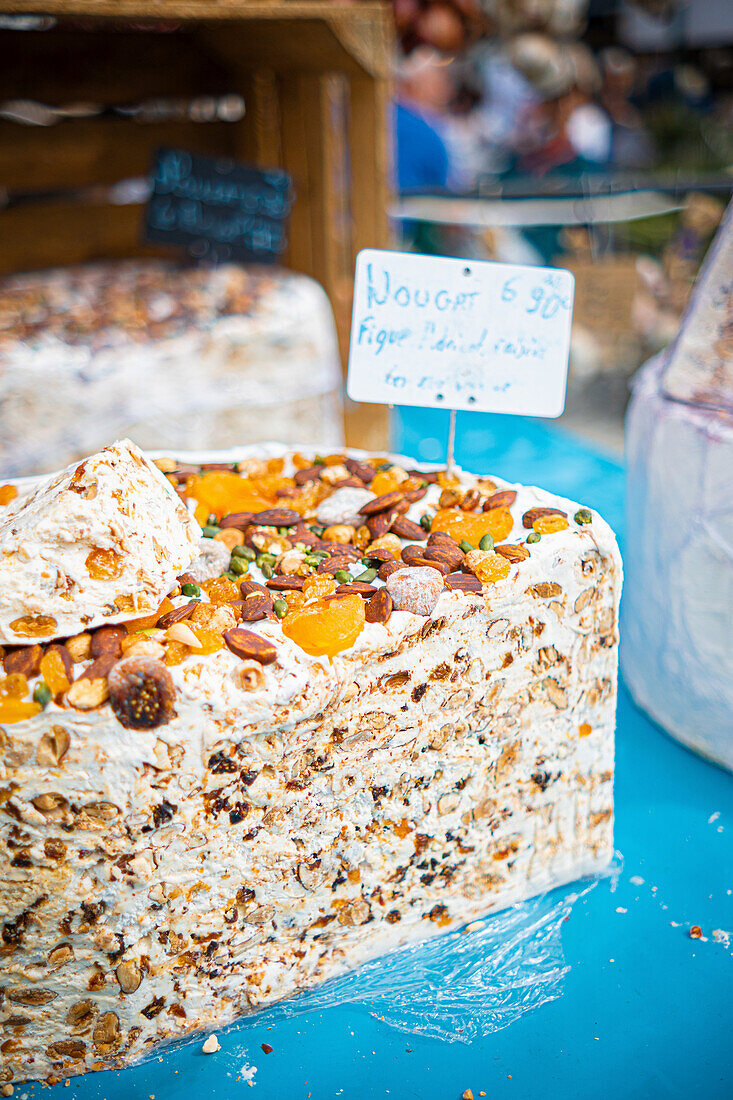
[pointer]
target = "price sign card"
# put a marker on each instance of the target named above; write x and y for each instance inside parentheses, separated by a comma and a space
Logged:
(218, 209)
(460, 334)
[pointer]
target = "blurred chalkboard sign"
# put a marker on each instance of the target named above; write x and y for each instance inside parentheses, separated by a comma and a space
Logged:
(219, 210)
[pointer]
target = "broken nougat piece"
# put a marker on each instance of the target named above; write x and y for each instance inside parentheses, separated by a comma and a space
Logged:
(389, 760)
(100, 542)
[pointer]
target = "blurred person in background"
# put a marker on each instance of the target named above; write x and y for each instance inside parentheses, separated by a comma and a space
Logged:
(424, 91)
(568, 129)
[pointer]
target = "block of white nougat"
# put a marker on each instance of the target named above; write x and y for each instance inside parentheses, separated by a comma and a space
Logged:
(169, 355)
(341, 732)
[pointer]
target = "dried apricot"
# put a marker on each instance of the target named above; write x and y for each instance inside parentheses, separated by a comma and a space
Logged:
(326, 627)
(13, 710)
(550, 525)
(267, 485)
(7, 493)
(104, 565)
(220, 492)
(471, 527)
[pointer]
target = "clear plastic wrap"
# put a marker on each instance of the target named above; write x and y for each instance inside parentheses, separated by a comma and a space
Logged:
(466, 984)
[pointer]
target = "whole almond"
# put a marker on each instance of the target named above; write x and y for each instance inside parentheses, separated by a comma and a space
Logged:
(380, 524)
(100, 668)
(452, 556)
(536, 513)
(310, 473)
(107, 639)
(250, 646)
(463, 582)
(387, 568)
(379, 607)
(26, 660)
(384, 503)
(286, 582)
(413, 495)
(379, 553)
(276, 517)
(177, 615)
(441, 536)
(246, 587)
(333, 565)
(238, 520)
(360, 469)
(503, 499)
(356, 588)
(415, 556)
(255, 607)
(512, 552)
(431, 476)
(406, 529)
(470, 500)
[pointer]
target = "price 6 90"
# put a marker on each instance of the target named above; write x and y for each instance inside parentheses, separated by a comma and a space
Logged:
(545, 301)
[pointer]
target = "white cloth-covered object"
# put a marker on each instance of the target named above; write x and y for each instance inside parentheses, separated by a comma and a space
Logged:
(677, 613)
(678, 605)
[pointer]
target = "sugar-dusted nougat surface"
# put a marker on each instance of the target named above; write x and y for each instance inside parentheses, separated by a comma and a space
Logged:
(288, 820)
(97, 543)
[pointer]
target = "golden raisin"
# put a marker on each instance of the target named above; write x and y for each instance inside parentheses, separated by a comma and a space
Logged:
(54, 673)
(387, 481)
(104, 565)
(550, 525)
(34, 626)
(147, 622)
(176, 652)
(471, 527)
(8, 493)
(326, 627)
(209, 639)
(318, 586)
(493, 567)
(221, 590)
(14, 686)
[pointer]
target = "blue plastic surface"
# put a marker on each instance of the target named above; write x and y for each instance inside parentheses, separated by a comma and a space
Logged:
(646, 1011)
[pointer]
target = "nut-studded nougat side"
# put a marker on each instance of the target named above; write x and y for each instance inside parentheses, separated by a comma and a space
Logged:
(278, 832)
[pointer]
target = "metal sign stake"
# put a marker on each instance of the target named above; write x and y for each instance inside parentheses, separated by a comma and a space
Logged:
(450, 463)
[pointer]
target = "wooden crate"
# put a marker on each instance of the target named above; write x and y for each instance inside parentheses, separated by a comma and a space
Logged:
(314, 76)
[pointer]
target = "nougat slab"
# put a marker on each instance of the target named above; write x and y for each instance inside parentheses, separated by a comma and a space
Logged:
(285, 815)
